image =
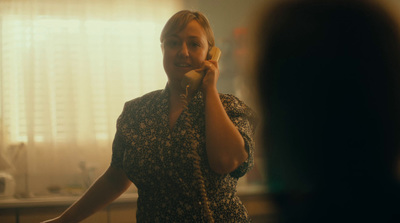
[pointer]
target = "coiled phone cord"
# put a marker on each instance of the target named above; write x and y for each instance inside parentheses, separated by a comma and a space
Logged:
(196, 163)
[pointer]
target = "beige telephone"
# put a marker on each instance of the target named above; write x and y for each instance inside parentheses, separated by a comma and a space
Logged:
(192, 79)
(190, 82)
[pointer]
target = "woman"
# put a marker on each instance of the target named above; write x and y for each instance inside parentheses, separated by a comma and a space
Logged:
(185, 157)
(328, 76)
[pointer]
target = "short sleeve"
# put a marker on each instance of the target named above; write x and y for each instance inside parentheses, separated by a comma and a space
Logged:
(119, 144)
(244, 118)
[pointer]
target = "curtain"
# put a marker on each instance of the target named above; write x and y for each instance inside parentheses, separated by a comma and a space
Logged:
(67, 67)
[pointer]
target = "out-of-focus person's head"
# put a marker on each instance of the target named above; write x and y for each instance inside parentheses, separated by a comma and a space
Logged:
(328, 77)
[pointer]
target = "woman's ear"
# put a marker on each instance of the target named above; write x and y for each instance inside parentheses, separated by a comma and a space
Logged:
(162, 48)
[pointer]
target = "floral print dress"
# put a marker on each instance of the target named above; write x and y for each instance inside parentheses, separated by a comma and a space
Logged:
(159, 161)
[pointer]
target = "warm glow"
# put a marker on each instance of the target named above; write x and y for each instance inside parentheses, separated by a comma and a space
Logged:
(67, 68)
(71, 71)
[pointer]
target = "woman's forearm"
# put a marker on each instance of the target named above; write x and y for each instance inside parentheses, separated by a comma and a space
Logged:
(106, 189)
(225, 145)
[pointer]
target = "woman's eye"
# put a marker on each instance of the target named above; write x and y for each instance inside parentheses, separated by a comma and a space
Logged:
(171, 43)
(195, 44)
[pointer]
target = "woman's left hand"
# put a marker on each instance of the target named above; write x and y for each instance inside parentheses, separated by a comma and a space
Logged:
(211, 76)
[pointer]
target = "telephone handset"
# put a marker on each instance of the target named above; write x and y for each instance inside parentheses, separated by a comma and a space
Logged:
(192, 79)
(190, 82)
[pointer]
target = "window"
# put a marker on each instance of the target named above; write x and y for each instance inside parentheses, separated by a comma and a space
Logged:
(67, 67)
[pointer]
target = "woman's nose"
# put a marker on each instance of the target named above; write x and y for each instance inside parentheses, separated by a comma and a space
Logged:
(184, 50)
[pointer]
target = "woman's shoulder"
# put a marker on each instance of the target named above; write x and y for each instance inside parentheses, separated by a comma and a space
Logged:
(242, 115)
(231, 101)
(234, 105)
(145, 99)
(144, 104)
(227, 97)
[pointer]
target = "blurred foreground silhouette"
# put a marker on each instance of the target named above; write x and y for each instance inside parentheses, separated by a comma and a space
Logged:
(328, 78)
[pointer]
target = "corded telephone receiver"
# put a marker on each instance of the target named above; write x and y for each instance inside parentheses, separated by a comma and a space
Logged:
(192, 79)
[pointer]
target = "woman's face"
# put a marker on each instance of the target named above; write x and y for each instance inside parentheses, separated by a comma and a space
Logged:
(184, 51)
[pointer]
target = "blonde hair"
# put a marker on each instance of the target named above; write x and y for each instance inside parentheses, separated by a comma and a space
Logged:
(179, 21)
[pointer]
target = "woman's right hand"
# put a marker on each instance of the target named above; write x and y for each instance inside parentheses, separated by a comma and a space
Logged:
(107, 188)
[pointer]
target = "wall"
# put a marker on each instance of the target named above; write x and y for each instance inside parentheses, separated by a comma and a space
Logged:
(228, 19)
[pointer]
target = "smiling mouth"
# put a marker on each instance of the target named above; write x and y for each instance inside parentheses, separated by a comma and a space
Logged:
(182, 65)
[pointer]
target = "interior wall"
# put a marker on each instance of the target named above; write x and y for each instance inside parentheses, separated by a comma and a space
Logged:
(229, 20)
